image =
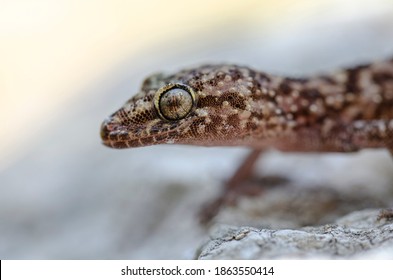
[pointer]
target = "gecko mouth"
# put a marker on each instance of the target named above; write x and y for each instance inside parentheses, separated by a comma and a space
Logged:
(120, 136)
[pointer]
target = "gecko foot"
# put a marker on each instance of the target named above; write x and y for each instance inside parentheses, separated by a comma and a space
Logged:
(242, 183)
(231, 193)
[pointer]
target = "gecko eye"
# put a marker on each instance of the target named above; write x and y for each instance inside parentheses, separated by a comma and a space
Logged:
(174, 101)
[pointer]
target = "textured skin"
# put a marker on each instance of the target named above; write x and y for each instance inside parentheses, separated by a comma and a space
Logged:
(237, 106)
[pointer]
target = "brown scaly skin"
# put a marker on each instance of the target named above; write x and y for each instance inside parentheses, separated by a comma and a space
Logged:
(238, 106)
(230, 105)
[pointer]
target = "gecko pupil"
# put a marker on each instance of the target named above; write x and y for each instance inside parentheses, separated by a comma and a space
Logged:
(174, 102)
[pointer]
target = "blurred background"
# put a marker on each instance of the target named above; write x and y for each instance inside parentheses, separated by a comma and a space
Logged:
(66, 65)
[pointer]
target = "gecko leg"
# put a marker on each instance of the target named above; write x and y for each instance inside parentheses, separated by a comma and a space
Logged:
(239, 184)
(228, 195)
(244, 171)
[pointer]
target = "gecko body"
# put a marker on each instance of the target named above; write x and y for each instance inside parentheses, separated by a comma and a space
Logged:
(230, 105)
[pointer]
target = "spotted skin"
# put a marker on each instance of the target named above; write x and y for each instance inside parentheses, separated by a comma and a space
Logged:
(234, 105)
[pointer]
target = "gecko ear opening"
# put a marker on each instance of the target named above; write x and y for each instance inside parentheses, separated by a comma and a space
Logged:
(174, 102)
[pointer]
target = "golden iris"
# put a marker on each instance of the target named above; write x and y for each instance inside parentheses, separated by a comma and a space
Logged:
(174, 101)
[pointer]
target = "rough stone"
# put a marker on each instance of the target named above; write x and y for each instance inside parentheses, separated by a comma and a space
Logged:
(358, 235)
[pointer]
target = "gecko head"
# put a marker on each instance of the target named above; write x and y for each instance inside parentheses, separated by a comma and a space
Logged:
(205, 106)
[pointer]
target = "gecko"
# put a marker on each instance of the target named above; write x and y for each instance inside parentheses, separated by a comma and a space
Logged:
(231, 105)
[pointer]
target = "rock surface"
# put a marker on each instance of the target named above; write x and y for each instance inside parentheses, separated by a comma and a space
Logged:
(359, 235)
